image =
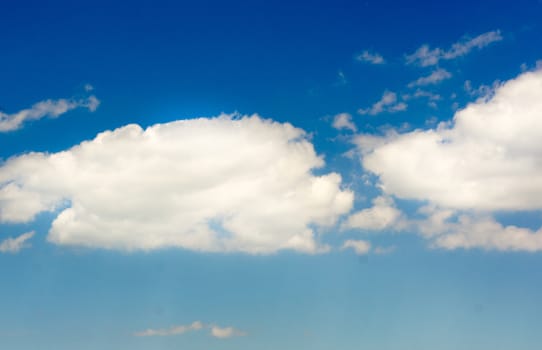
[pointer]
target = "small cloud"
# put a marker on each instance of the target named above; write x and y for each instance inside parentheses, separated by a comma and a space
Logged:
(370, 57)
(227, 332)
(15, 245)
(175, 330)
(88, 87)
(360, 247)
(43, 109)
(434, 78)
(425, 56)
(344, 121)
(341, 79)
(388, 103)
(215, 331)
(427, 94)
(383, 214)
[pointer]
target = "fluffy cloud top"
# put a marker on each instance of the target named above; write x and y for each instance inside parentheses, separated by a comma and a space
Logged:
(43, 109)
(14, 245)
(425, 56)
(221, 184)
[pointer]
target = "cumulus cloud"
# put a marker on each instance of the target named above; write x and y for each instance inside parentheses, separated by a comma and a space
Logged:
(214, 331)
(434, 78)
(370, 57)
(425, 56)
(15, 245)
(44, 109)
(486, 160)
(344, 121)
(484, 232)
(226, 184)
(360, 247)
(381, 215)
(388, 103)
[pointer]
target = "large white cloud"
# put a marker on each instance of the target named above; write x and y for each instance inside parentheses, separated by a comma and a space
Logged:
(487, 160)
(220, 184)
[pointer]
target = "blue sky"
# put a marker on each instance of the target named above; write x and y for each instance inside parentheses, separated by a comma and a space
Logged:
(259, 175)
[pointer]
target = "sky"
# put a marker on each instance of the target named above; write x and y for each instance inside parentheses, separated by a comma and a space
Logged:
(270, 175)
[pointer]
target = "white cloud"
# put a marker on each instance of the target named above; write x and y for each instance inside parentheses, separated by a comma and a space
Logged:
(370, 57)
(214, 331)
(14, 245)
(222, 184)
(88, 87)
(226, 332)
(486, 160)
(484, 232)
(381, 215)
(360, 247)
(175, 330)
(425, 56)
(388, 103)
(43, 109)
(434, 78)
(344, 121)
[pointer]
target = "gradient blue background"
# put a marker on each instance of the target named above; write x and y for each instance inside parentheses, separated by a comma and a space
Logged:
(153, 62)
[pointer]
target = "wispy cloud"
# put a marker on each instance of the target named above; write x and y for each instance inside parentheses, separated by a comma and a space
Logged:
(341, 79)
(434, 78)
(344, 121)
(226, 332)
(425, 56)
(48, 108)
(484, 92)
(388, 103)
(214, 331)
(15, 245)
(370, 57)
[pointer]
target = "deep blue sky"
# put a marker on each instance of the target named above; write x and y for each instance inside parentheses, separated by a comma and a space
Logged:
(160, 61)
